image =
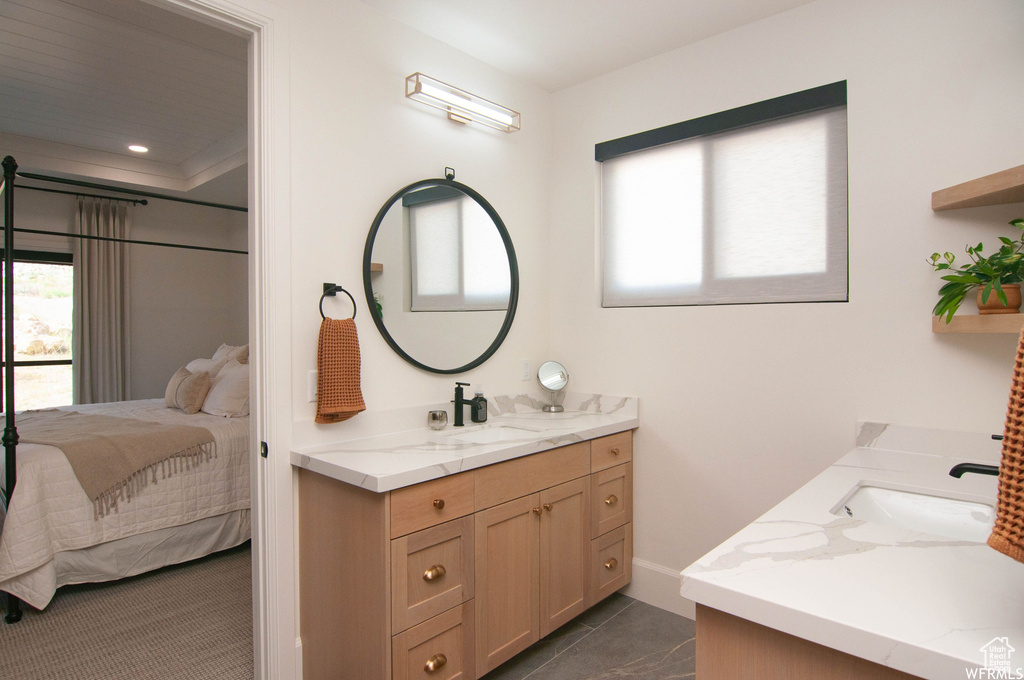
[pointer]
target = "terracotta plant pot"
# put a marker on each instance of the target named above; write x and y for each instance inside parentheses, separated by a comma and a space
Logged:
(994, 306)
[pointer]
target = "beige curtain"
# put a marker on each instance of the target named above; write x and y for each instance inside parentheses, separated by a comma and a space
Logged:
(101, 318)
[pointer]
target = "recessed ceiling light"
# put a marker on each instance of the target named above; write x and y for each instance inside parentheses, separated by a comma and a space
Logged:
(137, 148)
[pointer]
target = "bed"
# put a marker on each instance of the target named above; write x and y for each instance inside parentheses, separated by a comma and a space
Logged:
(51, 535)
(51, 532)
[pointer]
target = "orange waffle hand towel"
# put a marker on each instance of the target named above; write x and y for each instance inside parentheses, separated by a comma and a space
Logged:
(1008, 533)
(338, 393)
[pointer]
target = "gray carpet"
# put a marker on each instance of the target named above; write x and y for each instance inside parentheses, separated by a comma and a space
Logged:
(187, 622)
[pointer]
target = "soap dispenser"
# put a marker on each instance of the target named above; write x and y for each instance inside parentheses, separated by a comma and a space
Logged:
(478, 413)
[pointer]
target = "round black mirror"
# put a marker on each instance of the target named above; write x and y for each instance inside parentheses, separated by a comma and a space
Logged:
(440, 276)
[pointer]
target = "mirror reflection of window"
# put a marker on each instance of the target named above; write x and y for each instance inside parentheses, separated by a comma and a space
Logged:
(458, 260)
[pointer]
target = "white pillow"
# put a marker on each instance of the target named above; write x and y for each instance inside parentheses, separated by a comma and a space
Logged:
(211, 366)
(240, 353)
(229, 393)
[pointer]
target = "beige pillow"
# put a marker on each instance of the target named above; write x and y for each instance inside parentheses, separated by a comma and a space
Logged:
(187, 390)
(229, 393)
(240, 353)
(211, 366)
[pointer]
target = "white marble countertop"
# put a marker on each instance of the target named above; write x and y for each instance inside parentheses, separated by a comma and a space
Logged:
(920, 603)
(393, 456)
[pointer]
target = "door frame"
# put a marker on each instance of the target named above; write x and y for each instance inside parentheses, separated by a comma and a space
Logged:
(274, 580)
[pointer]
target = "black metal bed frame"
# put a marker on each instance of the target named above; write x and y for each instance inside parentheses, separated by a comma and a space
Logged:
(10, 432)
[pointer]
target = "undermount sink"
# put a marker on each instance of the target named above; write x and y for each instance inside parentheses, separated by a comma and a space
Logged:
(950, 517)
(492, 434)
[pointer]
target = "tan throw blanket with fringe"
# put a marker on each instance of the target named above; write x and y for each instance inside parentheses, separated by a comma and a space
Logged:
(114, 458)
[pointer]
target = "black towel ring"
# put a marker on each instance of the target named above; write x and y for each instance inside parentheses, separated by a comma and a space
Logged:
(330, 289)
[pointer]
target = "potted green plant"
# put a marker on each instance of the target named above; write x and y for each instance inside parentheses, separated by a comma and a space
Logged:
(1001, 271)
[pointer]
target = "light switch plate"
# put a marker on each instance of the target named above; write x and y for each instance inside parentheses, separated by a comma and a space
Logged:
(525, 370)
(311, 387)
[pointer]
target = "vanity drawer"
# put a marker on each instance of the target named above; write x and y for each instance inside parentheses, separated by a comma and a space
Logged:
(431, 572)
(496, 484)
(429, 503)
(615, 449)
(611, 562)
(438, 649)
(611, 499)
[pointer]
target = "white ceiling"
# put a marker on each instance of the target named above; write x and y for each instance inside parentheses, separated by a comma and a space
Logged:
(80, 80)
(559, 43)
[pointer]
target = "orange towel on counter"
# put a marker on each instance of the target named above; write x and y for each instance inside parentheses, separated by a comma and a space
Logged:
(338, 392)
(1008, 533)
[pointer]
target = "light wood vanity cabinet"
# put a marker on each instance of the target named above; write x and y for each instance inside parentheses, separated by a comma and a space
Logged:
(449, 578)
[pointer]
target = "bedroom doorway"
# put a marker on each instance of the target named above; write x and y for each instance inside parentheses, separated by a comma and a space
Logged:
(265, 153)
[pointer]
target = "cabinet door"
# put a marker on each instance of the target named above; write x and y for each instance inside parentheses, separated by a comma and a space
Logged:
(507, 583)
(564, 553)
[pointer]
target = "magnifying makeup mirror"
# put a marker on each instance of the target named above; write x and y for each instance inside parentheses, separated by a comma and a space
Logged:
(553, 377)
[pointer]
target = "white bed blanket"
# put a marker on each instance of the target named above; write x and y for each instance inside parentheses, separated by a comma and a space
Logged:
(50, 512)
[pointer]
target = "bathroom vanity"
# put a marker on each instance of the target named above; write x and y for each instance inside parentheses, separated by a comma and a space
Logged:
(876, 568)
(414, 568)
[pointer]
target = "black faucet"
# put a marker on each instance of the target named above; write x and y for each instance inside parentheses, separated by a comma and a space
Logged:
(459, 402)
(961, 468)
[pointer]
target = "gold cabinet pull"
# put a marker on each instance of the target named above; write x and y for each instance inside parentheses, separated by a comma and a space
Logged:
(435, 572)
(547, 506)
(435, 662)
(615, 451)
(611, 564)
(536, 511)
(439, 503)
(611, 500)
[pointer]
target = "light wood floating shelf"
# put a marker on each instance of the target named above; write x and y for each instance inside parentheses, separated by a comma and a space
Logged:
(977, 323)
(376, 267)
(1001, 187)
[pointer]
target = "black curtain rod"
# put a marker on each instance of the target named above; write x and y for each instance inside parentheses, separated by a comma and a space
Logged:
(133, 192)
(130, 241)
(133, 201)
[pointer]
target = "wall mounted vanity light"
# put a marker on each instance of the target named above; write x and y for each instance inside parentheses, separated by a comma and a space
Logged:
(461, 106)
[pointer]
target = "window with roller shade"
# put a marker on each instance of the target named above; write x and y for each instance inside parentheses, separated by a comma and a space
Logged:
(744, 206)
(445, 225)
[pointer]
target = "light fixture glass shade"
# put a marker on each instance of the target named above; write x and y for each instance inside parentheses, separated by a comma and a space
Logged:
(460, 105)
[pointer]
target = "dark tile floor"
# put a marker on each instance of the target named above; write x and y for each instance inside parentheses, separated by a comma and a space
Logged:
(620, 638)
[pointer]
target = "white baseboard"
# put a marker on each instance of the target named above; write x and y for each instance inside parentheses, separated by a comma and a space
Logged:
(659, 586)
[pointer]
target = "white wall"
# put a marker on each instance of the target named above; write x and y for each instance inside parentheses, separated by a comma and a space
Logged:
(356, 140)
(740, 405)
(184, 303)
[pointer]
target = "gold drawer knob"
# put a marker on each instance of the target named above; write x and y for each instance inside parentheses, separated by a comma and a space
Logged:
(439, 503)
(615, 451)
(611, 564)
(611, 500)
(435, 572)
(536, 511)
(547, 506)
(435, 662)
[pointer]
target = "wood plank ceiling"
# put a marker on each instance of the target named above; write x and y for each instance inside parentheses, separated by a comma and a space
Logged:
(93, 76)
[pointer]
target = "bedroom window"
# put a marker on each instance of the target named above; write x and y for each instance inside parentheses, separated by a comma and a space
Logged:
(744, 206)
(43, 303)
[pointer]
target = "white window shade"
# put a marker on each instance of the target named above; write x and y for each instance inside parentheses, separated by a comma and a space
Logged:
(444, 278)
(751, 215)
